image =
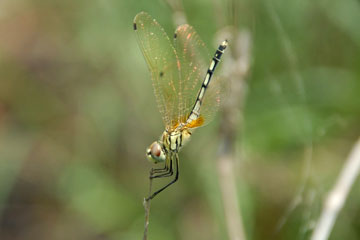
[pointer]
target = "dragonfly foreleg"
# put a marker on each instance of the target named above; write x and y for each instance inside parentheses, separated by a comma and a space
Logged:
(159, 170)
(165, 169)
(165, 174)
(170, 183)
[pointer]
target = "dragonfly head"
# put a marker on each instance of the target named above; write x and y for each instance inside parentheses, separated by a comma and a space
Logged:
(155, 153)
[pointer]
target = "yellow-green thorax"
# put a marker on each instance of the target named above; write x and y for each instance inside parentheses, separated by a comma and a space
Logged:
(173, 141)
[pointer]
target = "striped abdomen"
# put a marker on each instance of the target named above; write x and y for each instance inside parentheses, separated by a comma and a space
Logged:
(195, 112)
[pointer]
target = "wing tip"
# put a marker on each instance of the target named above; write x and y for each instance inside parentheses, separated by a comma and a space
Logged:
(142, 13)
(137, 17)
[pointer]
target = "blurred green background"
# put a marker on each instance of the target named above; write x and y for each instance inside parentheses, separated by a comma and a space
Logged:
(77, 112)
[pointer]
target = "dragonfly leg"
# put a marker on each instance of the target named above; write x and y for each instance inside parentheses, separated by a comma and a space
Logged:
(165, 174)
(165, 169)
(170, 183)
(159, 170)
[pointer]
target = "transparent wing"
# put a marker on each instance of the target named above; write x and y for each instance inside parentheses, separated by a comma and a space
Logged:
(195, 60)
(214, 98)
(163, 63)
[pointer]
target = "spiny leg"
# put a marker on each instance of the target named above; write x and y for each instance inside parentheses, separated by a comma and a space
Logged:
(161, 170)
(172, 182)
(165, 174)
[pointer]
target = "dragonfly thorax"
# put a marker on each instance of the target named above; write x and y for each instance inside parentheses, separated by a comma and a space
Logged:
(173, 141)
(169, 142)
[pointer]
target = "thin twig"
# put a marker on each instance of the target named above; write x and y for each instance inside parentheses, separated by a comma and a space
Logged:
(337, 196)
(147, 211)
(238, 69)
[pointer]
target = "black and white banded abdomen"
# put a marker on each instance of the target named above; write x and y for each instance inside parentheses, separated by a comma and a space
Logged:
(195, 112)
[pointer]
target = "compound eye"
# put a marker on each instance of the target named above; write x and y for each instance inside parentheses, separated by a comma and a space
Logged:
(155, 153)
(156, 150)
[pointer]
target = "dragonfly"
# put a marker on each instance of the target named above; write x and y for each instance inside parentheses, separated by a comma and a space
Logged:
(181, 71)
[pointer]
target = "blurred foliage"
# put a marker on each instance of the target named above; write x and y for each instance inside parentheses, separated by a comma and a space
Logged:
(77, 112)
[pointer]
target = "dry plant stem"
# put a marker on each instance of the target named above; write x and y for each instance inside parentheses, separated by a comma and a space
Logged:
(230, 123)
(147, 211)
(337, 196)
(230, 200)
